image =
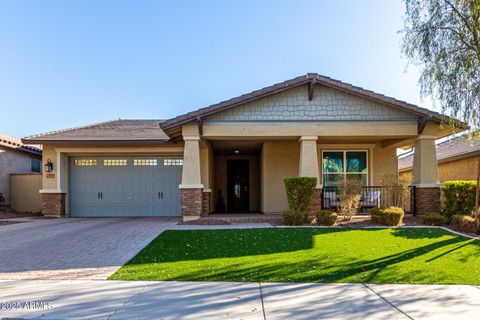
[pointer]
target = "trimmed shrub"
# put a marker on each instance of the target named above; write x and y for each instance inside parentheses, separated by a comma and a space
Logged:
(294, 218)
(326, 218)
(299, 192)
(464, 223)
(391, 216)
(434, 219)
(459, 196)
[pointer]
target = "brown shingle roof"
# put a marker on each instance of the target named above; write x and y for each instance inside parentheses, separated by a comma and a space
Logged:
(14, 143)
(298, 81)
(109, 131)
(450, 150)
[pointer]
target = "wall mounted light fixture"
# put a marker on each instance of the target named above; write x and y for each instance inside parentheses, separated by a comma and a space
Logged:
(49, 166)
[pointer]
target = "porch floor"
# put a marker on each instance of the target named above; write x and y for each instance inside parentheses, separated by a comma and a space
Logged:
(272, 218)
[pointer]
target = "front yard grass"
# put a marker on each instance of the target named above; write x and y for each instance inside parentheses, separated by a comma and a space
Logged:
(397, 255)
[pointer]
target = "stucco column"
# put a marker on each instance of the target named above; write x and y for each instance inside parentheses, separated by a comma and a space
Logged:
(54, 185)
(191, 187)
(425, 175)
(309, 168)
(308, 157)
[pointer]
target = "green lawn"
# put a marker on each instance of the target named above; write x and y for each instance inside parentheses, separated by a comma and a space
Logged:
(420, 255)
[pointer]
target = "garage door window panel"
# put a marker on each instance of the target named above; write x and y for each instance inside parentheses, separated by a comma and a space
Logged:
(114, 162)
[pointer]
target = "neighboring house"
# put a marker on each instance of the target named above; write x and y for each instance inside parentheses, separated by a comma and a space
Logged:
(16, 157)
(234, 155)
(457, 160)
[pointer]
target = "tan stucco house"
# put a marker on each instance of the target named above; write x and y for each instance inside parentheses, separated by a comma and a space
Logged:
(16, 158)
(457, 160)
(233, 156)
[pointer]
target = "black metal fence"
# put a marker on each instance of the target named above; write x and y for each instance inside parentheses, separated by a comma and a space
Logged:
(374, 197)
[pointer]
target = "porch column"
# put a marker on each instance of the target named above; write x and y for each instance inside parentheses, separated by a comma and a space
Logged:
(425, 175)
(191, 187)
(309, 168)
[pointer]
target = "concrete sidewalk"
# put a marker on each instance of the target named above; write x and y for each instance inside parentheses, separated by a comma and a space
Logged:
(222, 300)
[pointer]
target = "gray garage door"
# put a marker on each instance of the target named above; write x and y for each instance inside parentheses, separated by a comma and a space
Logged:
(124, 186)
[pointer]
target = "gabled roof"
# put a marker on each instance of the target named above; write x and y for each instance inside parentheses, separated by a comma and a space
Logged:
(113, 131)
(310, 78)
(14, 143)
(450, 150)
(161, 131)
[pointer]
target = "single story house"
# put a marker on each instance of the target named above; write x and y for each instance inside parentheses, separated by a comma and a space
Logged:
(233, 156)
(16, 158)
(457, 160)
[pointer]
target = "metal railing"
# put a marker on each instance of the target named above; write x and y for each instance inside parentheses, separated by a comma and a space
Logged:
(374, 197)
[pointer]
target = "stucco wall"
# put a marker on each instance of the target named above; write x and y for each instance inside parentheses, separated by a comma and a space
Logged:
(25, 196)
(12, 161)
(328, 104)
(407, 176)
(279, 159)
(463, 169)
(384, 162)
(49, 182)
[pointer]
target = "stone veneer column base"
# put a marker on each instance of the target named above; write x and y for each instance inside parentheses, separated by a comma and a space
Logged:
(427, 200)
(53, 204)
(316, 203)
(191, 203)
(206, 202)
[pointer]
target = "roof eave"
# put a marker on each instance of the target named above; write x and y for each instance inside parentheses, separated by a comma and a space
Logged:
(99, 142)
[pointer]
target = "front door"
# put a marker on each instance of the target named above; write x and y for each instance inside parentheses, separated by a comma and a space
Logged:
(237, 186)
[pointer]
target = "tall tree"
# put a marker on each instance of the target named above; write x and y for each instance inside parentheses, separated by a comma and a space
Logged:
(443, 38)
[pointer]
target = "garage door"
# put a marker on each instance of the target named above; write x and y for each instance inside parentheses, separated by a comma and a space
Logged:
(128, 186)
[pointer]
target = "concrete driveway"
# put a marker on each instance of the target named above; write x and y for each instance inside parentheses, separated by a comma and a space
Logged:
(91, 248)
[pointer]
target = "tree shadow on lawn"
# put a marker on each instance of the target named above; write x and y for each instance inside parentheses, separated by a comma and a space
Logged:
(422, 233)
(313, 267)
(181, 245)
(323, 269)
(435, 233)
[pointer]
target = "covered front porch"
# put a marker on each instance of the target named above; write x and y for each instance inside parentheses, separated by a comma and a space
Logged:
(244, 175)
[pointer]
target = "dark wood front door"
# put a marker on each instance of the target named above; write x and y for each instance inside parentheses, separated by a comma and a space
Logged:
(237, 186)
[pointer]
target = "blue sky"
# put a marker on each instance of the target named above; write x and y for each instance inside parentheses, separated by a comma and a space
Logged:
(70, 63)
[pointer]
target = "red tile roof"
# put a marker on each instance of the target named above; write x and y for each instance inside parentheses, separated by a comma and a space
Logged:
(14, 143)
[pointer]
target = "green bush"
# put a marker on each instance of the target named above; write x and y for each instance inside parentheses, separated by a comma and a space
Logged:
(299, 192)
(464, 223)
(294, 218)
(391, 216)
(459, 196)
(434, 219)
(326, 218)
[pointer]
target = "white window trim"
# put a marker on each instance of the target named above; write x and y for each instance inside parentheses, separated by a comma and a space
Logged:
(345, 173)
